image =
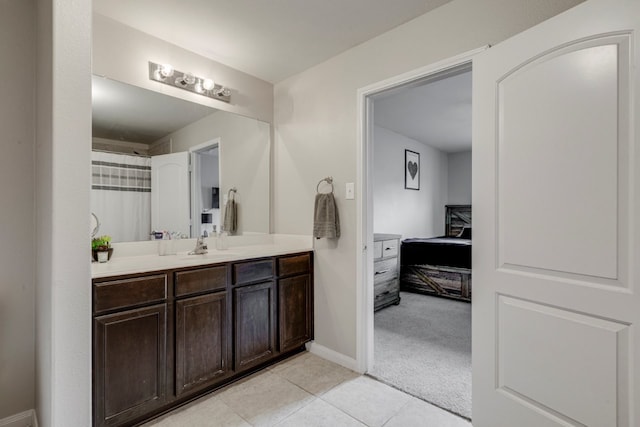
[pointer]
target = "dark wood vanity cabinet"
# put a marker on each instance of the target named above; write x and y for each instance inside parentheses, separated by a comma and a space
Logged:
(254, 308)
(202, 329)
(160, 340)
(130, 349)
(295, 290)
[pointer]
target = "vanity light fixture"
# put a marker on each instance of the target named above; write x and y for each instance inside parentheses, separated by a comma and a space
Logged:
(165, 73)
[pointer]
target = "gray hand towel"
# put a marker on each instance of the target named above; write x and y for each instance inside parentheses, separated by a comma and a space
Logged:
(325, 219)
(230, 223)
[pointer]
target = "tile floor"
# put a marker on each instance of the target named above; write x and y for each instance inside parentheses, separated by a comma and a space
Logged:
(307, 390)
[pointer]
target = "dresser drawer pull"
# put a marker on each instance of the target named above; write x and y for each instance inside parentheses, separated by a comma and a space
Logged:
(389, 248)
(382, 294)
(382, 271)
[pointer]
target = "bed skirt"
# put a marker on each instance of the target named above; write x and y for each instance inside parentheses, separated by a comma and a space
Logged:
(449, 282)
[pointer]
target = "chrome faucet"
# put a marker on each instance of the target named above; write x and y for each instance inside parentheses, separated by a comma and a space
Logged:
(201, 247)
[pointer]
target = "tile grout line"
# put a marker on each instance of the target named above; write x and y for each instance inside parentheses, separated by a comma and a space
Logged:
(340, 410)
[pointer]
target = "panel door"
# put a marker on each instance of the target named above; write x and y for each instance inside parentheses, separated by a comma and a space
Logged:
(202, 348)
(129, 364)
(170, 193)
(254, 309)
(295, 311)
(556, 198)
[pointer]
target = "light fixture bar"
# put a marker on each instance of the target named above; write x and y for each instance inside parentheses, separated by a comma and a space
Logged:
(165, 73)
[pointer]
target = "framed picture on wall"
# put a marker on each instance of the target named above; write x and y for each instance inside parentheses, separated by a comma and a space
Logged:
(411, 170)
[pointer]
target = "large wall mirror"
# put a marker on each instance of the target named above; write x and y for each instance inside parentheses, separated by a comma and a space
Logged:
(160, 163)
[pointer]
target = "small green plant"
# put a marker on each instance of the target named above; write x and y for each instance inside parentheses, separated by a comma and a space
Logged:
(101, 243)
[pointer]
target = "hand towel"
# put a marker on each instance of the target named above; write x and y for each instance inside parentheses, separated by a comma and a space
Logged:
(230, 223)
(326, 222)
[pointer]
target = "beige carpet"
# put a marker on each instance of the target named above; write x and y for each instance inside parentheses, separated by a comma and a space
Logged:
(423, 347)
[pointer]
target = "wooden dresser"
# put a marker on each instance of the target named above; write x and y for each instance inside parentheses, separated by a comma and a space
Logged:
(386, 270)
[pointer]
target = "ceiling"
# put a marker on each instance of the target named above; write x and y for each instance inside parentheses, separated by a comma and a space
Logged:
(124, 112)
(437, 113)
(269, 39)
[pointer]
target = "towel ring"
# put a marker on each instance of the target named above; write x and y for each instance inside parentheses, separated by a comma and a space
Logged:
(328, 180)
(234, 190)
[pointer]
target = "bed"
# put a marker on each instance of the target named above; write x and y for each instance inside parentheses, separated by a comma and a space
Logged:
(441, 265)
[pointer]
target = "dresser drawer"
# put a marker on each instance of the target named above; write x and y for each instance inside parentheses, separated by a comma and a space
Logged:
(377, 249)
(201, 280)
(390, 287)
(119, 294)
(385, 270)
(389, 248)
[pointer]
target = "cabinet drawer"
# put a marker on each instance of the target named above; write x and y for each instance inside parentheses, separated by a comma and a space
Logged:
(298, 264)
(389, 248)
(253, 271)
(377, 249)
(118, 294)
(201, 280)
(385, 270)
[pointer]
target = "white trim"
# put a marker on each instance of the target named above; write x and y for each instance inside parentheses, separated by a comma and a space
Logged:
(23, 419)
(364, 221)
(207, 144)
(333, 356)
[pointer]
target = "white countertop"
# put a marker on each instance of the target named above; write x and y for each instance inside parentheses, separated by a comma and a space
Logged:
(141, 257)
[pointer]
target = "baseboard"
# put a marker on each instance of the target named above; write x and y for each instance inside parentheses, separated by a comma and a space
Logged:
(333, 356)
(23, 419)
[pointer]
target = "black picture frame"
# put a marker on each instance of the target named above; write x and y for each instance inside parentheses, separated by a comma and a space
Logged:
(411, 170)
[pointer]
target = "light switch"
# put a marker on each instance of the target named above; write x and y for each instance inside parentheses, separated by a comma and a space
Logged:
(350, 191)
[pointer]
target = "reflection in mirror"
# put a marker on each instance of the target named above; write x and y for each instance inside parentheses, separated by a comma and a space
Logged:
(160, 163)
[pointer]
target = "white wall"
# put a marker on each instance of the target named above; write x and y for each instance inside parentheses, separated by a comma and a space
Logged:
(17, 216)
(315, 122)
(63, 294)
(459, 178)
(397, 210)
(122, 53)
(245, 142)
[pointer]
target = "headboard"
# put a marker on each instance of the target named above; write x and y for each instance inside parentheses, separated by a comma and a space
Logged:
(456, 218)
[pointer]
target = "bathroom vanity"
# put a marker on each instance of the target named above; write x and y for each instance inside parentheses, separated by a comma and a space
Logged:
(162, 337)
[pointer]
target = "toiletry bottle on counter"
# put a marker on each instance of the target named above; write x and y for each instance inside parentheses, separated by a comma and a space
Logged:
(165, 245)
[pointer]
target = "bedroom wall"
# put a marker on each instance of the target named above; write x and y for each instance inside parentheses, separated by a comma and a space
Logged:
(459, 191)
(315, 117)
(411, 213)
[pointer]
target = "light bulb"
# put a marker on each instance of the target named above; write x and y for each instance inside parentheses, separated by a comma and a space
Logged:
(199, 87)
(166, 70)
(189, 78)
(208, 84)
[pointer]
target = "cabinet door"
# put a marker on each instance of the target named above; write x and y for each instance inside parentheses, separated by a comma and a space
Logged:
(296, 315)
(254, 310)
(201, 341)
(129, 364)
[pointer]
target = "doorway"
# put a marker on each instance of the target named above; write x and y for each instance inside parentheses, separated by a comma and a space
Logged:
(370, 224)
(205, 188)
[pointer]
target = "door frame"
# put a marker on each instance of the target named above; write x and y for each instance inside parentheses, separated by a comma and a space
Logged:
(194, 180)
(364, 209)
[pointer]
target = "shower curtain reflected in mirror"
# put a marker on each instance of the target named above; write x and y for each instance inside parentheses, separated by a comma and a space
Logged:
(121, 195)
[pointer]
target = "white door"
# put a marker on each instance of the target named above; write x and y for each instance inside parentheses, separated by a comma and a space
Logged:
(556, 199)
(170, 201)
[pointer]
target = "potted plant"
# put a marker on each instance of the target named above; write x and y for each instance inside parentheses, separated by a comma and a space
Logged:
(101, 248)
